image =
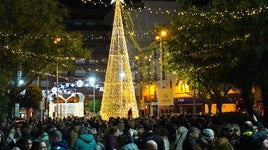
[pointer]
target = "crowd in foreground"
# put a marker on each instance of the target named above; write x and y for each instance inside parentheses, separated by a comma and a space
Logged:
(148, 133)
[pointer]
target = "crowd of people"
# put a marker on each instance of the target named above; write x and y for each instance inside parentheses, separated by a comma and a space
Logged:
(201, 132)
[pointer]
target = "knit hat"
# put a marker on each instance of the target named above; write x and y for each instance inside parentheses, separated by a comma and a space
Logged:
(208, 132)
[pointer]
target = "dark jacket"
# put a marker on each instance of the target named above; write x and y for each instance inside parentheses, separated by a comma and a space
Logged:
(222, 143)
(111, 142)
(85, 141)
(249, 140)
(204, 143)
(157, 138)
(189, 142)
(61, 145)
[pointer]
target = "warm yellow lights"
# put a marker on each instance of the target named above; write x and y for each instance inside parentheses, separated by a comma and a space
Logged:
(119, 95)
(157, 38)
(162, 34)
(57, 40)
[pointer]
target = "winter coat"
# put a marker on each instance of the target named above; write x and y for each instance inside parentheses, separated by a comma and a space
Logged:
(111, 142)
(204, 143)
(85, 142)
(188, 143)
(61, 145)
(129, 146)
(249, 140)
(223, 143)
(74, 134)
(44, 137)
(157, 138)
(181, 133)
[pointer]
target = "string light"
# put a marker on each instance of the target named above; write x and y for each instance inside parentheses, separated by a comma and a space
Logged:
(234, 14)
(217, 18)
(86, 37)
(96, 3)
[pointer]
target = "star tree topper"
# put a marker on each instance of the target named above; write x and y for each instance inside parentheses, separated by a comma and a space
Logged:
(122, 1)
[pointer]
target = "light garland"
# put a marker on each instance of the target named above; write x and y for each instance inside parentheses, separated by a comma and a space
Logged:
(234, 14)
(86, 37)
(217, 18)
(96, 3)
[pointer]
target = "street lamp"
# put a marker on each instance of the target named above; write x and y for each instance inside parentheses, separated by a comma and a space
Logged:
(160, 37)
(92, 84)
(56, 41)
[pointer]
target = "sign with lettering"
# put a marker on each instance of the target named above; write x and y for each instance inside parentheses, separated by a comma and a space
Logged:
(165, 97)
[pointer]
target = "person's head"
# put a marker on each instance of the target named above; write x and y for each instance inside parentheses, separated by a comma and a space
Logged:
(236, 129)
(247, 126)
(83, 130)
(28, 144)
(163, 131)
(39, 145)
(15, 148)
(227, 131)
(195, 132)
(121, 125)
(150, 145)
(131, 123)
(12, 130)
(98, 138)
(18, 129)
(124, 139)
(114, 130)
(208, 133)
(26, 133)
(255, 129)
(55, 136)
(148, 126)
(42, 146)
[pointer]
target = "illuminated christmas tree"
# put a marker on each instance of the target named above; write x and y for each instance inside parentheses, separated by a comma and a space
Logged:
(119, 94)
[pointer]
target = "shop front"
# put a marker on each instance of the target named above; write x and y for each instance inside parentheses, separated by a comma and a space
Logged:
(188, 105)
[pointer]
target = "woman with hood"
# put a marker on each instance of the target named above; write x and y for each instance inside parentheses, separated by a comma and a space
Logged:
(181, 133)
(85, 140)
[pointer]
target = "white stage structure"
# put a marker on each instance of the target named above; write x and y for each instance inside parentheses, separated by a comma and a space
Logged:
(73, 109)
(67, 109)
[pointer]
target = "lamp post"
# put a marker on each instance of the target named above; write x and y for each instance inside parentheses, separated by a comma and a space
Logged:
(57, 85)
(46, 99)
(160, 37)
(56, 41)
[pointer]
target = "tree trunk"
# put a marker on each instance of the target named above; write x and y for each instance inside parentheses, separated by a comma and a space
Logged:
(246, 94)
(219, 108)
(219, 101)
(209, 108)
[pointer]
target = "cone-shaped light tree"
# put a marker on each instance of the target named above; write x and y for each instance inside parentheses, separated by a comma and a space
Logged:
(119, 94)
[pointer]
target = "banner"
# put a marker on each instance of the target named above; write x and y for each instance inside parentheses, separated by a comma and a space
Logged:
(165, 97)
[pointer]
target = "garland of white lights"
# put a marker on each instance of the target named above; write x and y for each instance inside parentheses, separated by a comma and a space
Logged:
(69, 88)
(249, 12)
(208, 16)
(91, 37)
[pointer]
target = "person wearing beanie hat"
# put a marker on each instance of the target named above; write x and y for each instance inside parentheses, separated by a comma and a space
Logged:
(208, 133)
(205, 141)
